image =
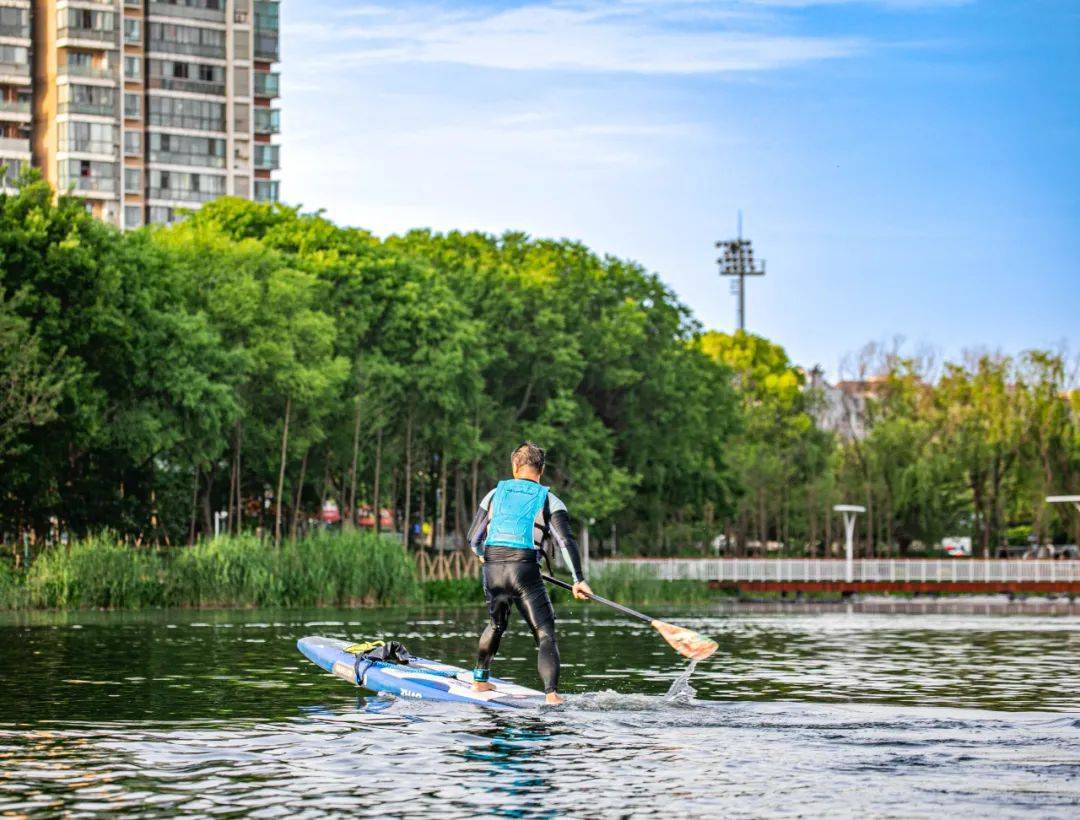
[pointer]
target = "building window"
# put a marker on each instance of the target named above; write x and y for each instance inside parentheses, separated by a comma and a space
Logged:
(132, 31)
(133, 143)
(88, 137)
(132, 216)
(133, 106)
(199, 115)
(266, 190)
(133, 180)
(133, 68)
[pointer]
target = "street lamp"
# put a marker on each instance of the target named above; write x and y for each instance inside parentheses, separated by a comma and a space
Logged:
(1064, 499)
(850, 512)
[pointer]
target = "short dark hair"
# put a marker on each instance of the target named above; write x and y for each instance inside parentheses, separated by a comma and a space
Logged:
(528, 455)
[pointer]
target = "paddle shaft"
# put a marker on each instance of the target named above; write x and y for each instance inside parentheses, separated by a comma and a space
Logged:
(625, 610)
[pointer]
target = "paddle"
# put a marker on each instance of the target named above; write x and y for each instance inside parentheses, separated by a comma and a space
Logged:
(686, 642)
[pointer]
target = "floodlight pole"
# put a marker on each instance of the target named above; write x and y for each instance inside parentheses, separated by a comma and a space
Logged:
(738, 260)
(850, 511)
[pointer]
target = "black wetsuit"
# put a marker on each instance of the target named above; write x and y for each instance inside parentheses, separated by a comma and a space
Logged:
(512, 577)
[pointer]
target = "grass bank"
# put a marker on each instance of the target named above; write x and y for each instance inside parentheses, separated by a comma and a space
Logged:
(323, 569)
(320, 570)
(625, 584)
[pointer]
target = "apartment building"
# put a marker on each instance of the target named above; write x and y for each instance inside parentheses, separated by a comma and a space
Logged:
(144, 108)
(16, 89)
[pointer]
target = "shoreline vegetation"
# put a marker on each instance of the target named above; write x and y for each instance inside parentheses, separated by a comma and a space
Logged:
(324, 569)
(348, 569)
(255, 368)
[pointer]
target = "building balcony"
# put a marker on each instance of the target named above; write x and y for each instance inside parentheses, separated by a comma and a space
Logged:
(190, 123)
(267, 157)
(267, 84)
(94, 185)
(15, 73)
(194, 49)
(91, 109)
(22, 31)
(267, 190)
(14, 145)
(191, 12)
(267, 121)
(266, 46)
(183, 195)
(10, 169)
(106, 37)
(91, 72)
(191, 86)
(18, 110)
(195, 160)
(89, 147)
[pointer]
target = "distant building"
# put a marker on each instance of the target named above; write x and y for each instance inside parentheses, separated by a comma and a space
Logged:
(141, 107)
(841, 408)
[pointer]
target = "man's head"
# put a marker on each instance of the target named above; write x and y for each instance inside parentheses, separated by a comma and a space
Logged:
(527, 462)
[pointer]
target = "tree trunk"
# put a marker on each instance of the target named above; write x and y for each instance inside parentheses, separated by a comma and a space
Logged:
(475, 484)
(406, 523)
(207, 502)
(869, 524)
(230, 505)
(459, 505)
(352, 467)
(828, 529)
(239, 477)
(377, 489)
(194, 508)
(298, 497)
(441, 532)
(281, 471)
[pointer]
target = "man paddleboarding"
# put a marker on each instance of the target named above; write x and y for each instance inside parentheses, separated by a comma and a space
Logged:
(511, 529)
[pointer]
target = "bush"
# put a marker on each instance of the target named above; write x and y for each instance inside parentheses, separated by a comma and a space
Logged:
(322, 569)
(457, 591)
(635, 586)
(12, 588)
(98, 572)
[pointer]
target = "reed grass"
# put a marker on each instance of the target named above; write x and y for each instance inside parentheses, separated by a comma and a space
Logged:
(630, 585)
(320, 570)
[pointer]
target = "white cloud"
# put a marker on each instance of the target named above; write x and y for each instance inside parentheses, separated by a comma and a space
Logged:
(677, 38)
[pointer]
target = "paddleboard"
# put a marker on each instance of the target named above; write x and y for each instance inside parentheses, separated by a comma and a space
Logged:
(420, 679)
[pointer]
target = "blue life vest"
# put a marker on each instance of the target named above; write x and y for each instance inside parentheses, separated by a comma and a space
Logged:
(513, 512)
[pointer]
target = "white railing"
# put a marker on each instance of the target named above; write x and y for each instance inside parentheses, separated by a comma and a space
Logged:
(828, 569)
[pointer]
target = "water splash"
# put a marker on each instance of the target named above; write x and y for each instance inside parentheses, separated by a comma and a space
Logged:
(680, 690)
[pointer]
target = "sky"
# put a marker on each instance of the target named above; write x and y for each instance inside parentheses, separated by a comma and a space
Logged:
(907, 168)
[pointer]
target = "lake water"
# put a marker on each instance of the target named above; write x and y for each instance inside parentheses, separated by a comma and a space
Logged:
(806, 710)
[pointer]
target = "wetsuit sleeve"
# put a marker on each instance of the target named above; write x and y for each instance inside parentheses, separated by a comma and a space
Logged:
(478, 530)
(563, 535)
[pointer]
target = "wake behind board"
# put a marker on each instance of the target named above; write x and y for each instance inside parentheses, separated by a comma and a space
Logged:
(420, 679)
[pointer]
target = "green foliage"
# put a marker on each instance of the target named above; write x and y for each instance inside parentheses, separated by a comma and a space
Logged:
(259, 361)
(96, 573)
(454, 592)
(323, 569)
(12, 589)
(627, 584)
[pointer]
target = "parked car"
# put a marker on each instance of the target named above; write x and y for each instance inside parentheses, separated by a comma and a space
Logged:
(957, 546)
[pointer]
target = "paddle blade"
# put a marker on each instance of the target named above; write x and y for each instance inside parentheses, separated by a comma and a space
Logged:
(686, 642)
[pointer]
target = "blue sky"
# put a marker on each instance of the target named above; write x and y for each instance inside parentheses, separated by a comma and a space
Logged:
(906, 167)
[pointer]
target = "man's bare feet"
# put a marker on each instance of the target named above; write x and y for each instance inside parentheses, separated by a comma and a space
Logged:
(482, 686)
(554, 699)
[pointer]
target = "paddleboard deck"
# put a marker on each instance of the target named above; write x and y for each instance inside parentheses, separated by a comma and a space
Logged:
(420, 679)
